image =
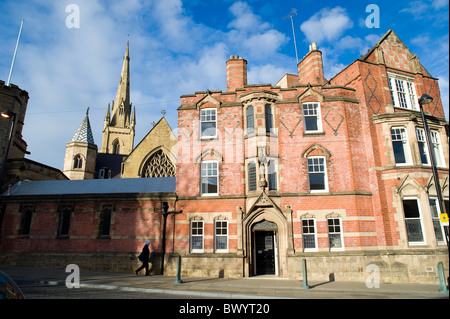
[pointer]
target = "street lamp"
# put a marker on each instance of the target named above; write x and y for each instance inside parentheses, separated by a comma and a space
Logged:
(425, 99)
(7, 115)
(165, 213)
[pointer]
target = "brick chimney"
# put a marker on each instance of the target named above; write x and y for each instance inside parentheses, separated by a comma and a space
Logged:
(236, 73)
(310, 68)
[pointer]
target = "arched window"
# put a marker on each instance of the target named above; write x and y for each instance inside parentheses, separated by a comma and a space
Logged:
(78, 161)
(116, 147)
(158, 165)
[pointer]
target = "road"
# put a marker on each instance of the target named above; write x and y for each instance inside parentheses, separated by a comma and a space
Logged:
(33, 290)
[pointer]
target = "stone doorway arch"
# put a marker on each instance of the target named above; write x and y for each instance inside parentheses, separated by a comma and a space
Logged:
(265, 220)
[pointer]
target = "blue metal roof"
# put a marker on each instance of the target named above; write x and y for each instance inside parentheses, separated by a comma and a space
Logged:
(94, 186)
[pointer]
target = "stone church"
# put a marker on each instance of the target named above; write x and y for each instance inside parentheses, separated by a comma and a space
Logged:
(335, 171)
(154, 156)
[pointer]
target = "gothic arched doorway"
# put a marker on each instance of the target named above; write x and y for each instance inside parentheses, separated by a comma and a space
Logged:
(265, 248)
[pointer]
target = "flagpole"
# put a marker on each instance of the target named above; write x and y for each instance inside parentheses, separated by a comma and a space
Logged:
(15, 53)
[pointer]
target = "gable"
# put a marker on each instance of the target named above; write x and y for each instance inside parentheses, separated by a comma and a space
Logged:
(392, 52)
(161, 136)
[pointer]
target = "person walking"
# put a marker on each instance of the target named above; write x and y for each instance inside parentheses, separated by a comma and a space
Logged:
(144, 257)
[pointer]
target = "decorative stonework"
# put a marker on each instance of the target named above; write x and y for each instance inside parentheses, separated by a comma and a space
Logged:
(286, 119)
(371, 84)
(159, 165)
(334, 119)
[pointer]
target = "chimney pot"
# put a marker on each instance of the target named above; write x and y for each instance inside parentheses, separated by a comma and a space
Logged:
(236, 73)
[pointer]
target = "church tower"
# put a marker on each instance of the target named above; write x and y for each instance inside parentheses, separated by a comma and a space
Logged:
(120, 121)
(81, 153)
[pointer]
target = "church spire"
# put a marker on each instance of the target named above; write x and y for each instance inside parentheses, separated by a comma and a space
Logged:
(120, 121)
(122, 107)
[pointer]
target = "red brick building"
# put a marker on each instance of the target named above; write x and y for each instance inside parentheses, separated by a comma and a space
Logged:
(332, 171)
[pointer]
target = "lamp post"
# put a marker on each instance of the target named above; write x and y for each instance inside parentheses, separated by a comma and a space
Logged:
(425, 99)
(165, 208)
(7, 115)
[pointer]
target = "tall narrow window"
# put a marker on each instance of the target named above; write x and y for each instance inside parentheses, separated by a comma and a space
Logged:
(64, 222)
(221, 236)
(437, 150)
(423, 148)
(208, 123)
(272, 174)
(196, 235)
(105, 223)
(400, 145)
(317, 174)
(413, 221)
(251, 177)
(250, 120)
(309, 234)
(209, 178)
(436, 220)
(311, 116)
(78, 161)
(116, 147)
(25, 222)
(269, 119)
(335, 233)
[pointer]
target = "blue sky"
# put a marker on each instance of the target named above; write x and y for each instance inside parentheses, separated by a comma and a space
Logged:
(180, 47)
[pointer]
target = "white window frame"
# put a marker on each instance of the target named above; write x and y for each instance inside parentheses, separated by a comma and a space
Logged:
(320, 172)
(306, 249)
(437, 148)
(420, 219)
(192, 235)
(437, 219)
(312, 113)
(223, 250)
(209, 176)
(340, 233)
(421, 139)
(272, 164)
(403, 92)
(204, 118)
(405, 142)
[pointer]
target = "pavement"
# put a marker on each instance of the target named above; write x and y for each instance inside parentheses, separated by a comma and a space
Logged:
(259, 287)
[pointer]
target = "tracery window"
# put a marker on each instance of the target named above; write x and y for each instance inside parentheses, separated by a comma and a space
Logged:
(159, 165)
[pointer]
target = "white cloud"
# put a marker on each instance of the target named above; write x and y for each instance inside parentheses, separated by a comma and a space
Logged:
(326, 25)
(248, 32)
(245, 19)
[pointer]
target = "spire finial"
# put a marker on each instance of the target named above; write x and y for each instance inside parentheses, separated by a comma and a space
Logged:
(87, 111)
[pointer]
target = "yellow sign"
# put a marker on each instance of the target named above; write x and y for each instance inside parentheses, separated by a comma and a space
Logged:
(444, 219)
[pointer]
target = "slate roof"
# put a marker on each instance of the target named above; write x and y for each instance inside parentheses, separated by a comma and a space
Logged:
(111, 161)
(84, 132)
(93, 186)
